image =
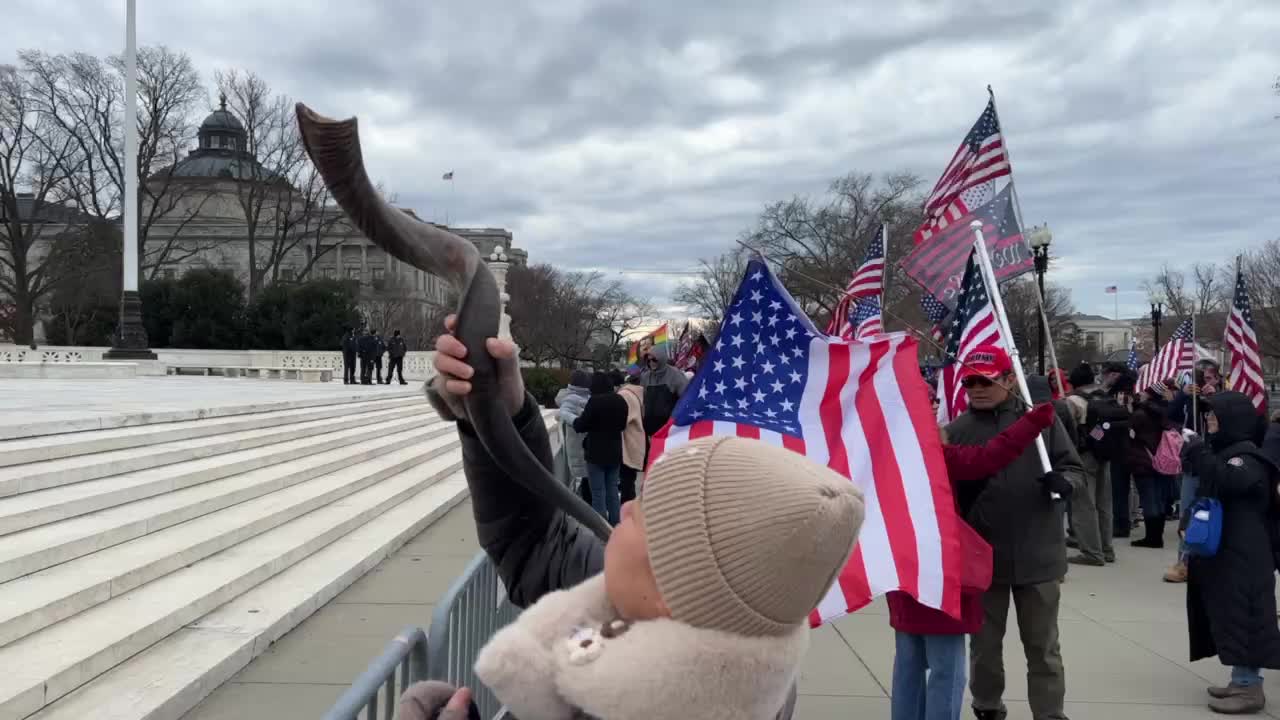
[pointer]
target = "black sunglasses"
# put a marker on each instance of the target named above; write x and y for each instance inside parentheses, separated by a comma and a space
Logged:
(974, 381)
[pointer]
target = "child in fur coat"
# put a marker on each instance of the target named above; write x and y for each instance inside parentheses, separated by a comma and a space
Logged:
(698, 605)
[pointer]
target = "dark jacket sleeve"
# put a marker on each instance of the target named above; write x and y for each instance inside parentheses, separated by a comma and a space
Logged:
(1063, 455)
(967, 463)
(536, 547)
(1220, 478)
(587, 420)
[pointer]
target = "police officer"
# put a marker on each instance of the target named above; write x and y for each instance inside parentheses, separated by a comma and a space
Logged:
(396, 349)
(350, 346)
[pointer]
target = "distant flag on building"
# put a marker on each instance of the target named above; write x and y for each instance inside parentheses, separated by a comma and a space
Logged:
(1178, 354)
(859, 408)
(968, 182)
(447, 176)
(1112, 290)
(1242, 348)
(1132, 362)
(974, 325)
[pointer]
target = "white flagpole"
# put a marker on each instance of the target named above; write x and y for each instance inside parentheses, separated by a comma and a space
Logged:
(1017, 211)
(989, 277)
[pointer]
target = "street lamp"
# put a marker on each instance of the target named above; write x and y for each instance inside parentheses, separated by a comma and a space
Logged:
(1157, 314)
(1039, 239)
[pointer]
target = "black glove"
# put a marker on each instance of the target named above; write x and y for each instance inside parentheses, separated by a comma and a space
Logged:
(1054, 482)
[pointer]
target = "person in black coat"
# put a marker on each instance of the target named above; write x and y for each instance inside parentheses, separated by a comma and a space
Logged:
(602, 421)
(379, 349)
(365, 345)
(397, 348)
(1231, 605)
(350, 346)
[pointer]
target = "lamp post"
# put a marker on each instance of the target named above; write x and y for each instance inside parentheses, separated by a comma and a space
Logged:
(130, 341)
(1039, 239)
(1157, 314)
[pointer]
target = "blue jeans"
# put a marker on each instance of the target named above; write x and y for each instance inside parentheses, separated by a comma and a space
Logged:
(1187, 496)
(1244, 677)
(941, 695)
(604, 490)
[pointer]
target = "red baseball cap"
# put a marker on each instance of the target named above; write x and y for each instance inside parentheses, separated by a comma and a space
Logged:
(989, 361)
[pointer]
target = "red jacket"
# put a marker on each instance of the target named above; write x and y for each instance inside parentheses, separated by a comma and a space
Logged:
(968, 464)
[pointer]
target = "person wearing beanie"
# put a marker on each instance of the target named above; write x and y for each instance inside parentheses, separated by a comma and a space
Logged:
(697, 606)
(572, 400)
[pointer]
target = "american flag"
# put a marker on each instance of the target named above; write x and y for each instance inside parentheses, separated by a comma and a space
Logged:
(938, 265)
(1132, 362)
(867, 321)
(867, 282)
(974, 325)
(1242, 348)
(935, 312)
(1177, 355)
(969, 180)
(860, 408)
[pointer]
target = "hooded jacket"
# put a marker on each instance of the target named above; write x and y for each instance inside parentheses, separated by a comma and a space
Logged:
(1231, 604)
(663, 386)
(571, 401)
(633, 439)
(603, 420)
(1012, 510)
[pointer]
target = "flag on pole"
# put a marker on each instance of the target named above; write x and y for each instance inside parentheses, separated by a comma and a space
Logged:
(938, 265)
(1132, 362)
(447, 176)
(1112, 290)
(975, 325)
(968, 181)
(861, 409)
(1177, 355)
(935, 312)
(1242, 348)
(867, 321)
(867, 281)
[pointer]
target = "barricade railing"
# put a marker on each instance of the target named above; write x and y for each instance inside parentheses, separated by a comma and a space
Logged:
(404, 660)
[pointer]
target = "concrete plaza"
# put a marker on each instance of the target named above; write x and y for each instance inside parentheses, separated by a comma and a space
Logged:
(1123, 639)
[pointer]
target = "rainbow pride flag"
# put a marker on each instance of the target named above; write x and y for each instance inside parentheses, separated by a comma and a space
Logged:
(659, 337)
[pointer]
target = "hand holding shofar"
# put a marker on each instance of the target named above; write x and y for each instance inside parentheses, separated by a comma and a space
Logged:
(334, 147)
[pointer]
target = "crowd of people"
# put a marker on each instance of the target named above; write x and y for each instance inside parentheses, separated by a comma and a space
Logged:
(369, 348)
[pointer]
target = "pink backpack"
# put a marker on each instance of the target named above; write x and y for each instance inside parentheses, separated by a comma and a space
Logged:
(1167, 459)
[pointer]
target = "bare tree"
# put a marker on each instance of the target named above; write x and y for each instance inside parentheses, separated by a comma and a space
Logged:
(533, 292)
(390, 304)
(35, 160)
(1262, 274)
(1206, 290)
(83, 97)
(710, 292)
(1023, 311)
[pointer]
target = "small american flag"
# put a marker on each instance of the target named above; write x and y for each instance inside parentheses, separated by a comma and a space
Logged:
(867, 282)
(867, 321)
(935, 312)
(861, 409)
(1132, 362)
(447, 176)
(974, 325)
(1177, 355)
(969, 179)
(1112, 290)
(1242, 348)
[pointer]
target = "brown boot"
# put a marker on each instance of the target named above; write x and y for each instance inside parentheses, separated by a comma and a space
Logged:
(1224, 691)
(1178, 574)
(1246, 701)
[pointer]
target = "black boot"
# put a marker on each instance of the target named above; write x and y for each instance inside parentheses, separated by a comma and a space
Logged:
(1155, 534)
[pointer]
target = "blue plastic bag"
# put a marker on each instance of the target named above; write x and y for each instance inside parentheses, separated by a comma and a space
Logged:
(1204, 528)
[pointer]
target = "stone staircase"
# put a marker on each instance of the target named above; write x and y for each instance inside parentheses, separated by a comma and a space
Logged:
(142, 566)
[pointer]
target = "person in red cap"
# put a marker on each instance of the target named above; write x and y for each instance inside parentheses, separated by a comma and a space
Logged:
(1016, 512)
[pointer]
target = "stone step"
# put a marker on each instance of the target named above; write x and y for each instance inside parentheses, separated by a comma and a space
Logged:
(46, 665)
(70, 444)
(36, 601)
(37, 548)
(38, 508)
(173, 676)
(10, 429)
(65, 471)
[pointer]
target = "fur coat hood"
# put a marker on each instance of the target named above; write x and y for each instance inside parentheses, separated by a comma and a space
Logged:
(569, 656)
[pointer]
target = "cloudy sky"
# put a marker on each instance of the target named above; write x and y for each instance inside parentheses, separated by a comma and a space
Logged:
(621, 135)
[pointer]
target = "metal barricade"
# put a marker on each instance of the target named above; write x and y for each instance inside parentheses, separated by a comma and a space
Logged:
(405, 659)
(468, 615)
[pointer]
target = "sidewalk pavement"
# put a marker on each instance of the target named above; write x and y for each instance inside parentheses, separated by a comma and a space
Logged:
(1124, 643)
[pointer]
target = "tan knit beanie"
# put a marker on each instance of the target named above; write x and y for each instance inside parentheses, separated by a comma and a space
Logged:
(744, 536)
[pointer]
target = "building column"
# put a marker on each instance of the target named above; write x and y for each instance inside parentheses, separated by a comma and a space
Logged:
(364, 263)
(499, 265)
(341, 273)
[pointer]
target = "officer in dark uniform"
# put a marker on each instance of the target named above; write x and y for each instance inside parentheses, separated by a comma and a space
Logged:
(379, 349)
(365, 347)
(350, 346)
(396, 349)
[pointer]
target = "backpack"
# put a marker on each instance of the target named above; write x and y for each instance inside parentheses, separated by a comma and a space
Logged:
(1167, 459)
(1106, 428)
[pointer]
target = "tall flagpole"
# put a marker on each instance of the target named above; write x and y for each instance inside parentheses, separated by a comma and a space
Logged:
(1017, 210)
(130, 341)
(989, 277)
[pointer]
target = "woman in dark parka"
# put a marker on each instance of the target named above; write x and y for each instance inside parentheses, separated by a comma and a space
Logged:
(1231, 606)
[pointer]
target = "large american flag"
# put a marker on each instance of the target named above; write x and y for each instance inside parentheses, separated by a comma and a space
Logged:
(1132, 361)
(867, 282)
(1177, 355)
(938, 265)
(1242, 348)
(974, 325)
(860, 408)
(969, 179)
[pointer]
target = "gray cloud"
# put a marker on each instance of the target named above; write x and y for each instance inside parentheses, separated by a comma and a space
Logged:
(620, 135)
